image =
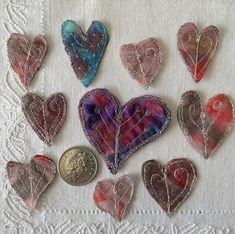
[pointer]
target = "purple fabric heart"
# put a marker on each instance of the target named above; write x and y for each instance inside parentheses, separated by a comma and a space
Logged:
(117, 131)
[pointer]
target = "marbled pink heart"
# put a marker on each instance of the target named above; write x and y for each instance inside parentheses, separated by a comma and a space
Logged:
(205, 128)
(26, 56)
(169, 185)
(143, 61)
(46, 117)
(114, 198)
(30, 180)
(197, 48)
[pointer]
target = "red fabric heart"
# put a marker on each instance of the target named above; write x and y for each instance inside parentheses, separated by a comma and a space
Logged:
(114, 199)
(169, 185)
(26, 56)
(197, 48)
(45, 117)
(205, 127)
(30, 180)
(143, 61)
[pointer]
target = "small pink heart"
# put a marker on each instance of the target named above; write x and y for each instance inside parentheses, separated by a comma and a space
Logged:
(142, 61)
(197, 48)
(26, 56)
(30, 180)
(205, 127)
(114, 198)
(46, 117)
(169, 185)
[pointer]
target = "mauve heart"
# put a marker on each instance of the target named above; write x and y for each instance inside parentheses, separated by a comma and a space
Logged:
(169, 185)
(197, 48)
(143, 61)
(30, 180)
(85, 51)
(46, 117)
(26, 56)
(114, 198)
(205, 127)
(117, 131)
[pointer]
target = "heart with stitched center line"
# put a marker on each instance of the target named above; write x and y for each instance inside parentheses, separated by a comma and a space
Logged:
(117, 131)
(30, 180)
(169, 185)
(143, 61)
(26, 56)
(114, 198)
(205, 128)
(197, 48)
(46, 117)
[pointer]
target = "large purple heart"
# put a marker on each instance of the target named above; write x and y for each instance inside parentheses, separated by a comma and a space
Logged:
(117, 131)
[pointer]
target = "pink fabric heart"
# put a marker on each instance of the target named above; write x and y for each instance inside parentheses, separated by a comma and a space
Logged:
(30, 180)
(169, 185)
(46, 117)
(114, 198)
(205, 127)
(142, 61)
(197, 48)
(26, 56)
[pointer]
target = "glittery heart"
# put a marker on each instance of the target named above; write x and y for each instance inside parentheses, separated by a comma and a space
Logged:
(169, 185)
(143, 61)
(46, 117)
(26, 56)
(85, 51)
(117, 131)
(205, 127)
(114, 198)
(30, 180)
(197, 48)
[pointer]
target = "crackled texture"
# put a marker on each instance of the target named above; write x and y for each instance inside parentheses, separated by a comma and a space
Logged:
(143, 61)
(85, 51)
(197, 48)
(114, 198)
(31, 179)
(26, 56)
(117, 131)
(205, 127)
(46, 117)
(169, 185)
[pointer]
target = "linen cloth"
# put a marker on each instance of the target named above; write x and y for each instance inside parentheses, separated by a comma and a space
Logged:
(67, 209)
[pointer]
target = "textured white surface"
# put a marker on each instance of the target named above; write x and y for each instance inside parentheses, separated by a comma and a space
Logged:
(67, 209)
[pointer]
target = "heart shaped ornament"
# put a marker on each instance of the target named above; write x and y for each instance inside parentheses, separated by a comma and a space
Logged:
(85, 51)
(31, 180)
(46, 117)
(169, 185)
(26, 56)
(114, 198)
(197, 48)
(117, 131)
(143, 61)
(205, 127)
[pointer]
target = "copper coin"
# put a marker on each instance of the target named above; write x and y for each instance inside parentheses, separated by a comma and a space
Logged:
(78, 166)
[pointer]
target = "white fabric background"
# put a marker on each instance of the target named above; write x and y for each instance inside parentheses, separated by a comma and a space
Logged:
(67, 209)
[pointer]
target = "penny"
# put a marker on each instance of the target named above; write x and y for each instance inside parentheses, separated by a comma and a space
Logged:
(78, 166)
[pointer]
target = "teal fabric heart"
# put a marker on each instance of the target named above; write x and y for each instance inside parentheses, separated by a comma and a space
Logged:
(85, 51)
